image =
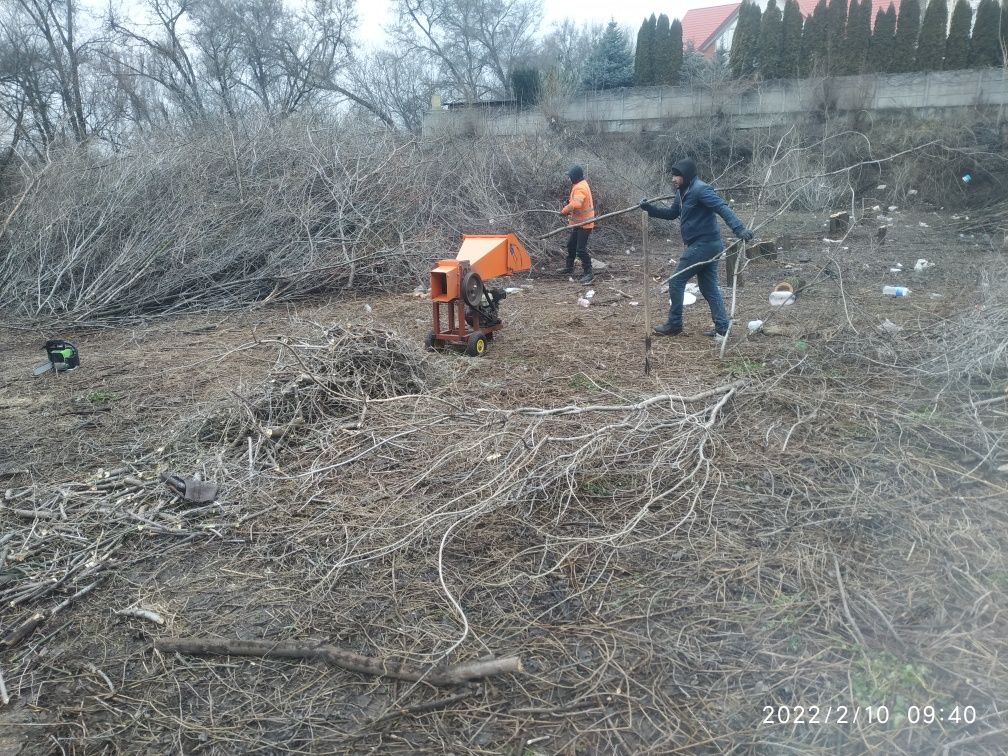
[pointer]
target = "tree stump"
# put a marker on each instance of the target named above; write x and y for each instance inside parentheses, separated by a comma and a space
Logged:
(838, 224)
(731, 260)
(764, 250)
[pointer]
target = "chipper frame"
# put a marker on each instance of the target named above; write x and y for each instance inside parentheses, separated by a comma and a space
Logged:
(471, 316)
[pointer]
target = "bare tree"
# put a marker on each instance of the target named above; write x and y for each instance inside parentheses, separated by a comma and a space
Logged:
(399, 86)
(56, 23)
(564, 53)
(474, 43)
(162, 55)
(42, 79)
(233, 56)
(287, 57)
(25, 98)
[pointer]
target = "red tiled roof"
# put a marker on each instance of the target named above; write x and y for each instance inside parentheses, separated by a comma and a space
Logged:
(807, 6)
(699, 24)
(881, 5)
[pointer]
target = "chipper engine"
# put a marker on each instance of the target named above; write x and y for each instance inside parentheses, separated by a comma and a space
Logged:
(471, 310)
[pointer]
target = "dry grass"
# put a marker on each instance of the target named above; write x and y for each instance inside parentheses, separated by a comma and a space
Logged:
(821, 527)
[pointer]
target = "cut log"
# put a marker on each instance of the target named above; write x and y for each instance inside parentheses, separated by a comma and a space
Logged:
(338, 657)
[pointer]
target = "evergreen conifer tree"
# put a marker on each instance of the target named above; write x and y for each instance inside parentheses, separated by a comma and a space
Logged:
(735, 53)
(883, 35)
(745, 40)
(640, 56)
(957, 46)
(526, 83)
(858, 37)
(694, 65)
(769, 51)
(814, 41)
(805, 49)
(1004, 32)
(985, 45)
(610, 64)
(791, 40)
(755, 20)
(931, 42)
(644, 74)
(663, 63)
(905, 42)
(676, 43)
(833, 49)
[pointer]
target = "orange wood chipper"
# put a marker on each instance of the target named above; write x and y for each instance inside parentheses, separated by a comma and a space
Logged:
(471, 316)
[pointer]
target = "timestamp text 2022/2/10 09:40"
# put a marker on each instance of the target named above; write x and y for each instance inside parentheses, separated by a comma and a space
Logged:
(813, 715)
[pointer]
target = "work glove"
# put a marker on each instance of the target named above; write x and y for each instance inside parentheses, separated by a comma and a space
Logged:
(646, 206)
(746, 235)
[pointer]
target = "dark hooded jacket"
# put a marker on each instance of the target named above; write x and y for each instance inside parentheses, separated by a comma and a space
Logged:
(695, 206)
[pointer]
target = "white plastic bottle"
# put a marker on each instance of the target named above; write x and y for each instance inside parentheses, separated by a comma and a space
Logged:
(895, 291)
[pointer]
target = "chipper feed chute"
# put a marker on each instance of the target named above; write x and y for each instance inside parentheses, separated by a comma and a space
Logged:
(471, 315)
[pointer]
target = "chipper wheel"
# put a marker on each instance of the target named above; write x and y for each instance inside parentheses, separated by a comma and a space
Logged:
(472, 289)
(477, 345)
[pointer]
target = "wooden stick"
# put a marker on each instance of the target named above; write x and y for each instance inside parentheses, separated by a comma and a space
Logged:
(740, 258)
(855, 630)
(613, 214)
(338, 657)
(647, 293)
(145, 614)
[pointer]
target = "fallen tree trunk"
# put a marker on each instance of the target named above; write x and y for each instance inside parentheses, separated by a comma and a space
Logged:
(458, 673)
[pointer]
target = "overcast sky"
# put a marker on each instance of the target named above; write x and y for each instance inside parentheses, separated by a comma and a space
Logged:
(375, 14)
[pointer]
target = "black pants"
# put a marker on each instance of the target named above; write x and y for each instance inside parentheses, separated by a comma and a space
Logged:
(577, 245)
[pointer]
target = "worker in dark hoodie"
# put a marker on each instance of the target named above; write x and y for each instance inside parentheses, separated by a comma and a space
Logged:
(578, 209)
(695, 206)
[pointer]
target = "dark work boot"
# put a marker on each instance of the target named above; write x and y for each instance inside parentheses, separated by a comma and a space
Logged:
(668, 330)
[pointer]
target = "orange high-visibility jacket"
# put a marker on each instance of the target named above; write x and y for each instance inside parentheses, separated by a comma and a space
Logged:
(580, 207)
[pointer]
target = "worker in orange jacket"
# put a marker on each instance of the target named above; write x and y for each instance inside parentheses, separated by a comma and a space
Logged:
(579, 208)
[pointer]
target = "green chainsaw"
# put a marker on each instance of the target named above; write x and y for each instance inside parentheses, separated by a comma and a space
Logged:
(62, 356)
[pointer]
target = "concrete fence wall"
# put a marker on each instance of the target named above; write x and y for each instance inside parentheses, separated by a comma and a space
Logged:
(748, 105)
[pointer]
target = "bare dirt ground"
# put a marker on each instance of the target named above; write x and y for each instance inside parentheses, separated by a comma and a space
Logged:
(825, 533)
